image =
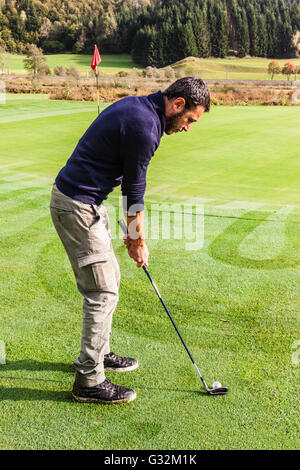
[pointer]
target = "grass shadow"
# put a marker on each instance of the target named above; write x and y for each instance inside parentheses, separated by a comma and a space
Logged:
(29, 394)
(37, 366)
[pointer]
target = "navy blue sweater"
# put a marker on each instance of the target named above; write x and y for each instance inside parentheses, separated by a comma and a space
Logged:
(116, 149)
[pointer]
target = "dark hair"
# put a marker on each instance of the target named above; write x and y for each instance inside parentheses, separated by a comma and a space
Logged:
(192, 89)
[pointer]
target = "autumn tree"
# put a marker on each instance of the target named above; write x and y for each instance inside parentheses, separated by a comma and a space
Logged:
(274, 68)
(35, 61)
(288, 69)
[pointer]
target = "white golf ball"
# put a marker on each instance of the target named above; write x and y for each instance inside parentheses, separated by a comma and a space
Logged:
(216, 385)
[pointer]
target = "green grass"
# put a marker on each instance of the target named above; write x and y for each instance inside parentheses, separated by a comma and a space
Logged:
(235, 299)
(254, 68)
(110, 63)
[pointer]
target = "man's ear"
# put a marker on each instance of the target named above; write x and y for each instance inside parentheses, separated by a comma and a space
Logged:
(179, 104)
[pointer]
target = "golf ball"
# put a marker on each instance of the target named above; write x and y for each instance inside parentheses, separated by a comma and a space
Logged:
(216, 385)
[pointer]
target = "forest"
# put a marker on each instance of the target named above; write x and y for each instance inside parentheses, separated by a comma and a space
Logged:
(155, 33)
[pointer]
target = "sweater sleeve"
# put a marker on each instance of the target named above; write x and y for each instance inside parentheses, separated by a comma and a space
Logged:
(137, 149)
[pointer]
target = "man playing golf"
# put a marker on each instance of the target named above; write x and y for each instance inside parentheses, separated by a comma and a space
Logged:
(116, 149)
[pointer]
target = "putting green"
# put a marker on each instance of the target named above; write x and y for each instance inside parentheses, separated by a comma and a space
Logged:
(233, 288)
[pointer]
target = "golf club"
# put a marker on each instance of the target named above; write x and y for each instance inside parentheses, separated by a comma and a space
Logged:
(217, 388)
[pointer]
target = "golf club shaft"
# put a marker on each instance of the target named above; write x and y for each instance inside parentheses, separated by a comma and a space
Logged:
(173, 323)
(124, 228)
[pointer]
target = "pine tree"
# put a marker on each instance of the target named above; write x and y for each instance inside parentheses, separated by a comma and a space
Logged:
(271, 34)
(262, 42)
(284, 46)
(139, 47)
(222, 41)
(253, 31)
(242, 33)
(187, 40)
(205, 50)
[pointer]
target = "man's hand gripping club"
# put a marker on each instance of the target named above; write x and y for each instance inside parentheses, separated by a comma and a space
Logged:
(135, 239)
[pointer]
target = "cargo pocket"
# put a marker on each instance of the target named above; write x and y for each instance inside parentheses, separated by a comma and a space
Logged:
(89, 214)
(61, 212)
(96, 273)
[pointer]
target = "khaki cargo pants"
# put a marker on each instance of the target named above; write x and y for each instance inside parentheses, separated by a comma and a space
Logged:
(85, 234)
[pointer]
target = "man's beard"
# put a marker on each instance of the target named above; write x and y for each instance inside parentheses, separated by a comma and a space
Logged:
(172, 122)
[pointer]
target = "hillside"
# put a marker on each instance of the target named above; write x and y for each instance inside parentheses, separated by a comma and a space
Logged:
(230, 68)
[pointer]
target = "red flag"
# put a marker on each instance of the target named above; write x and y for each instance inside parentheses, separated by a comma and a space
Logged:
(96, 58)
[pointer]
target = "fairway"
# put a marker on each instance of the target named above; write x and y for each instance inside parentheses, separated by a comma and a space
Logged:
(235, 296)
(254, 68)
(110, 63)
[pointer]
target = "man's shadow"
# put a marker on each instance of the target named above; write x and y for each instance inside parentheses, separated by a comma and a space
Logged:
(36, 395)
(32, 394)
(29, 364)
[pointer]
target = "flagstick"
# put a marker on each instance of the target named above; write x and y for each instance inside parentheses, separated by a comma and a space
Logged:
(95, 62)
(97, 90)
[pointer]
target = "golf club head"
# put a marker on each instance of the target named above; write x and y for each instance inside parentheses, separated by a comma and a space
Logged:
(218, 391)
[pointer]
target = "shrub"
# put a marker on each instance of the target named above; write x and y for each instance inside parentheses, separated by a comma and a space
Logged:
(123, 94)
(44, 69)
(122, 73)
(150, 71)
(73, 72)
(135, 72)
(169, 73)
(229, 88)
(36, 85)
(60, 71)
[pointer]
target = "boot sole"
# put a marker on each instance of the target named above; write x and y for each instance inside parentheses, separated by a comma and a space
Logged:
(104, 402)
(121, 369)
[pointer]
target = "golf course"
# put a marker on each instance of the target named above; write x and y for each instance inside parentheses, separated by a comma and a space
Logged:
(235, 298)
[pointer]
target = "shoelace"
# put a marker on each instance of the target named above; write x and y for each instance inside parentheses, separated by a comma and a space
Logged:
(114, 357)
(108, 385)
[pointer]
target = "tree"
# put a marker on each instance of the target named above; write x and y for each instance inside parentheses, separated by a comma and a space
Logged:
(271, 35)
(285, 47)
(34, 61)
(222, 43)
(243, 34)
(187, 40)
(201, 32)
(2, 61)
(288, 69)
(140, 46)
(274, 68)
(262, 37)
(172, 29)
(253, 31)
